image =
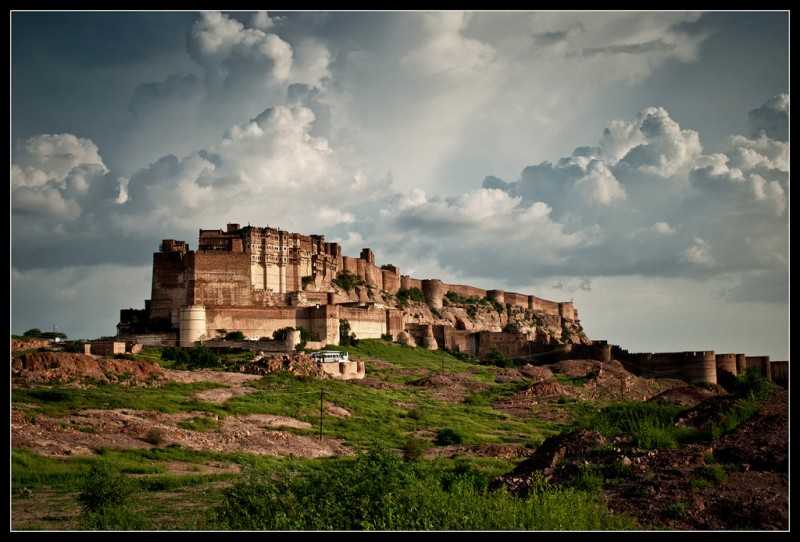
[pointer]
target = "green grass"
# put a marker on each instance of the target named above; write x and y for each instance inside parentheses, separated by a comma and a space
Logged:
(376, 417)
(378, 491)
(200, 423)
(61, 400)
(650, 424)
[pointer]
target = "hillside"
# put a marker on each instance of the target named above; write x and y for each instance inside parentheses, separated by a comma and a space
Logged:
(429, 440)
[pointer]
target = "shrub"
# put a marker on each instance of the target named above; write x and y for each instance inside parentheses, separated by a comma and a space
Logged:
(346, 338)
(414, 449)
(155, 437)
(234, 336)
(202, 357)
(713, 473)
(386, 337)
(511, 327)
(752, 385)
(347, 281)
(282, 333)
(104, 487)
(33, 333)
(73, 347)
(496, 358)
(410, 294)
(175, 353)
(448, 436)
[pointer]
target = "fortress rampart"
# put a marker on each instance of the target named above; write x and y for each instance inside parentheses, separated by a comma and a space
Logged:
(260, 279)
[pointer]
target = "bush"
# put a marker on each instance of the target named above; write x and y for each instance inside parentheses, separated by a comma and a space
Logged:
(234, 336)
(511, 327)
(447, 437)
(386, 337)
(347, 281)
(103, 488)
(175, 353)
(155, 437)
(496, 358)
(414, 449)
(73, 347)
(346, 338)
(752, 385)
(33, 333)
(410, 294)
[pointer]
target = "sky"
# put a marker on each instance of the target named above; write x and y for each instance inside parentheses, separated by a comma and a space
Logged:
(634, 162)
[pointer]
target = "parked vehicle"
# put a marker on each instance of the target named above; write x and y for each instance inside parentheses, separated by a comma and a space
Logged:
(330, 356)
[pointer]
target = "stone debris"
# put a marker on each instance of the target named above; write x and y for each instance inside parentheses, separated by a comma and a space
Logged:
(298, 364)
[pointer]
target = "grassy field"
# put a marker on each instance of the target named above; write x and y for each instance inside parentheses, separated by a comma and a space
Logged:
(389, 416)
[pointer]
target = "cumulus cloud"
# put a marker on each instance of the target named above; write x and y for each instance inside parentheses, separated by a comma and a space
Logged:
(772, 118)
(221, 44)
(53, 173)
(734, 201)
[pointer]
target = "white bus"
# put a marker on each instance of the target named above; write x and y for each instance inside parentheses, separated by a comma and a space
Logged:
(330, 356)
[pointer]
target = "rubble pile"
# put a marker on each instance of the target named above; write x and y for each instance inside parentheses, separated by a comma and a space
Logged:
(298, 364)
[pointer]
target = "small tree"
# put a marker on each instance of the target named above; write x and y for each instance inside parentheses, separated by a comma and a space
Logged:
(345, 338)
(234, 336)
(104, 487)
(33, 333)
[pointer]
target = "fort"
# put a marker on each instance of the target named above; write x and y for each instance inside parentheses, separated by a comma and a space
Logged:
(258, 280)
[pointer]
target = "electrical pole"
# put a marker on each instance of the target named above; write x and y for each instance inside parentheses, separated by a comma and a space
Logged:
(321, 393)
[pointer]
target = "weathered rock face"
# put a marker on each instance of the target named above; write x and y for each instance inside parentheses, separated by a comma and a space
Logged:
(406, 339)
(538, 326)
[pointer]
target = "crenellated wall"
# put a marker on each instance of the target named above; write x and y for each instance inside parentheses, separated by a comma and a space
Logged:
(466, 291)
(761, 363)
(543, 305)
(434, 291)
(406, 283)
(779, 372)
(726, 363)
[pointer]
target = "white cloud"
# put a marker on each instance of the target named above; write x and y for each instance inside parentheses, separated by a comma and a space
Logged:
(599, 186)
(663, 228)
(262, 20)
(699, 253)
(446, 50)
(52, 173)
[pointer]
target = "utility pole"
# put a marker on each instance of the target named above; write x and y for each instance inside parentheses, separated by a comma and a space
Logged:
(321, 394)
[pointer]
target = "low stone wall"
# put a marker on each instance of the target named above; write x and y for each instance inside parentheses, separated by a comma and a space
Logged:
(107, 348)
(152, 339)
(344, 370)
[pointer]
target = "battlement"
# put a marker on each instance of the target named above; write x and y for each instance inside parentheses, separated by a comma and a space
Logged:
(171, 245)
